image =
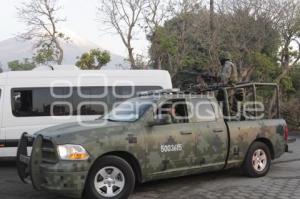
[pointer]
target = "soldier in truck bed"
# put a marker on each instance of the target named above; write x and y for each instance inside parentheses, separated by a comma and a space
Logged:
(229, 74)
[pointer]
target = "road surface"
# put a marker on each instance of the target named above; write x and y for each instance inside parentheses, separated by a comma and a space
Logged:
(282, 182)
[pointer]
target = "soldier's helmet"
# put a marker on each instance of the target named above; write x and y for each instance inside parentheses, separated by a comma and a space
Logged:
(225, 56)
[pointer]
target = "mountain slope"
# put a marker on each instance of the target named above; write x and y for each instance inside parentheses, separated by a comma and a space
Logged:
(16, 49)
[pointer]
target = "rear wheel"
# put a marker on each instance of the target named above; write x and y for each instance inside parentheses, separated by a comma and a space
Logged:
(258, 160)
(110, 178)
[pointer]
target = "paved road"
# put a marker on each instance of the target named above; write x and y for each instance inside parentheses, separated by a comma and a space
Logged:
(282, 182)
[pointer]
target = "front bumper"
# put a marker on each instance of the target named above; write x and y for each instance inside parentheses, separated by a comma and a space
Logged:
(62, 177)
(64, 183)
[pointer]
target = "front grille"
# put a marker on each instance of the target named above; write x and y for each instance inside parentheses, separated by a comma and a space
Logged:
(49, 154)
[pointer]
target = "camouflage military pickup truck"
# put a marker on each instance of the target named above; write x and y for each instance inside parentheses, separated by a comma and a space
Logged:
(150, 137)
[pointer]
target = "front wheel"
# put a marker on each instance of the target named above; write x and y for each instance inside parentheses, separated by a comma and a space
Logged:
(110, 178)
(258, 160)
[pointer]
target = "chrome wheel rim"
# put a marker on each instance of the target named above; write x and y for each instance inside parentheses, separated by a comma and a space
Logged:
(109, 181)
(259, 160)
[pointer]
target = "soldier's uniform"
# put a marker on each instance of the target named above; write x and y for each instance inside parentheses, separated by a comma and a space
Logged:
(229, 74)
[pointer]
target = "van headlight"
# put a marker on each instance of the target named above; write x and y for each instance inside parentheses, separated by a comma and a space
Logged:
(72, 152)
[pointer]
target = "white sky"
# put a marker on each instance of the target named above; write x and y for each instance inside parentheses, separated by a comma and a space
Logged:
(81, 19)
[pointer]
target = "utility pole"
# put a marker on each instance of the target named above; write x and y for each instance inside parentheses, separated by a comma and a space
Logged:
(212, 18)
(213, 39)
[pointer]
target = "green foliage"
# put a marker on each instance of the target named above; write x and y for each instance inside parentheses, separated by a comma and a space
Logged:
(93, 60)
(44, 55)
(165, 42)
(262, 42)
(184, 41)
(287, 84)
(266, 67)
(295, 74)
(17, 65)
(180, 44)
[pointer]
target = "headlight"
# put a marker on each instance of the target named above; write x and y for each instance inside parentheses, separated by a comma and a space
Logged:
(72, 152)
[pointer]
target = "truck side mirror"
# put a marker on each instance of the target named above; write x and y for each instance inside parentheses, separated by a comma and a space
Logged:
(161, 120)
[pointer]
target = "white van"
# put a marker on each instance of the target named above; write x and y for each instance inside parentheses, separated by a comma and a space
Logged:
(33, 100)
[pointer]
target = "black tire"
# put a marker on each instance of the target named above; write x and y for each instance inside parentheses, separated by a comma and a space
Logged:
(248, 166)
(110, 161)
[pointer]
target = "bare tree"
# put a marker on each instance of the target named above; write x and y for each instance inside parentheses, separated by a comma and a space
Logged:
(155, 13)
(41, 18)
(177, 7)
(123, 17)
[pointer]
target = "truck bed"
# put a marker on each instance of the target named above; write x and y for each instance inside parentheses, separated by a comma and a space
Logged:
(243, 133)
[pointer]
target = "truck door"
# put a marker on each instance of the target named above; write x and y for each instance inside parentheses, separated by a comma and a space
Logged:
(171, 147)
(211, 133)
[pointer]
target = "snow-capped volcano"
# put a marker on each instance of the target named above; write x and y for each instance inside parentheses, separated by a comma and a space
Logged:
(17, 49)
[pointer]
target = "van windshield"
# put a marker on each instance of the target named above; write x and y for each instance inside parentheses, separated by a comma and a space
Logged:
(130, 110)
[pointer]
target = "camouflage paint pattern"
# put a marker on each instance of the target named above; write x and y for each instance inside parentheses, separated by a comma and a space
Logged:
(164, 151)
(244, 133)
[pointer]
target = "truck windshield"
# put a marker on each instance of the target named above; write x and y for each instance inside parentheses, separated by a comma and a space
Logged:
(130, 110)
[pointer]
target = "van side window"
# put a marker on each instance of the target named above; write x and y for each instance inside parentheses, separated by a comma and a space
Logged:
(40, 102)
(203, 110)
(91, 100)
(22, 102)
(64, 101)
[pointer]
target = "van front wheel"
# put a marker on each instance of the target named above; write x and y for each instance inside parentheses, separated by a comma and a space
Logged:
(111, 177)
(258, 160)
